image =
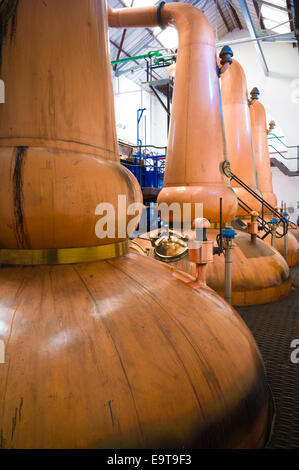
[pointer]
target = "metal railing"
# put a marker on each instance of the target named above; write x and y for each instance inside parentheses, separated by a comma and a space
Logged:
(263, 223)
(146, 167)
(277, 138)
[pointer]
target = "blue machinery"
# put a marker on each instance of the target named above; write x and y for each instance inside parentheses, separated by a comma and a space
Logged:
(149, 171)
(147, 168)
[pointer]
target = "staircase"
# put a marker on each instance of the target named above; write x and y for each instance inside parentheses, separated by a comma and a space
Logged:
(282, 167)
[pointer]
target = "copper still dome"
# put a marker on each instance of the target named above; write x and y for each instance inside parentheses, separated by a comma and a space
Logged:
(98, 354)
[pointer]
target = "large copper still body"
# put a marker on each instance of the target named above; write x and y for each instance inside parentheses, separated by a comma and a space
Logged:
(98, 354)
(193, 172)
(261, 149)
(264, 175)
(238, 133)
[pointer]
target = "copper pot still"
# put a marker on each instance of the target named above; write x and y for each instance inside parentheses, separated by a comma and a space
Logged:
(200, 142)
(264, 175)
(98, 354)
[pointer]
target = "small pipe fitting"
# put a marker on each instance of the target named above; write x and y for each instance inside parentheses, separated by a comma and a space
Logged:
(252, 227)
(285, 238)
(228, 235)
(159, 16)
(200, 226)
(201, 249)
(272, 125)
(225, 55)
(274, 224)
(254, 96)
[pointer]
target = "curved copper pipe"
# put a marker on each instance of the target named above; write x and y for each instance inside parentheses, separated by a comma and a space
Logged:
(238, 132)
(133, 17)
(196, 145)
(261, 151)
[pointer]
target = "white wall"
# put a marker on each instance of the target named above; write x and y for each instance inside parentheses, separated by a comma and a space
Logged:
(128, 98)
(286, 189)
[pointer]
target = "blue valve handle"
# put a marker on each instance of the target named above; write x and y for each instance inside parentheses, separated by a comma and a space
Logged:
(229, 233)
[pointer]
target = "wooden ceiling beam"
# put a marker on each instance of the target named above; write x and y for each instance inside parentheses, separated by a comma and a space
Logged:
(229, 29)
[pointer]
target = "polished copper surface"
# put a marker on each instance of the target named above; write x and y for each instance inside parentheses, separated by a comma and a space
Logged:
(108, 354)
(261, 151)
(238, 132)
(196, 141)
(121, 354)
(259, 273)
(58, 144)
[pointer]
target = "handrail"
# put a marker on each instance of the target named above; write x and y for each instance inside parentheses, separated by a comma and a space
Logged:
(227, 171)
(285, 158)
(124, 162)
(257, 196)
(283, 143)
(264, 224)
(146, 146)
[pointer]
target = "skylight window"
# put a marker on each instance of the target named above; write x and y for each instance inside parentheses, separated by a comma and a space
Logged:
(275, 19)
(168, 37)
(140, 3)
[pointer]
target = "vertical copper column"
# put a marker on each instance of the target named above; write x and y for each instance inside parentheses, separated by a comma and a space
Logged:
(238, 132)
(196, 146)
(196, 141)
(261, 150)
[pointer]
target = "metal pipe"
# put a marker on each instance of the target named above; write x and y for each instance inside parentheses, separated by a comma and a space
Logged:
(253, 227)
(137, 57)
(273, 38)
(228, 237)
(285, 247)
(257, 39)
(228, 274)
(286, 226)
(273, 235)
(253, 34)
